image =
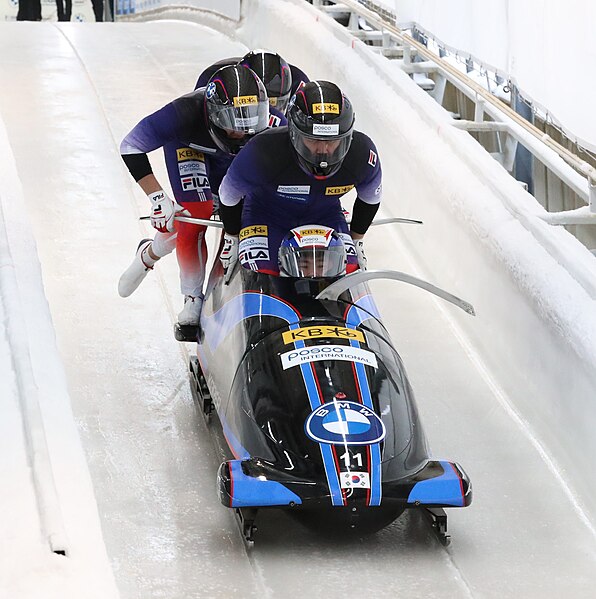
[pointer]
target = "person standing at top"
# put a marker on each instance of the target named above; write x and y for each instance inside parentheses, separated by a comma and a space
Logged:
(64, 9)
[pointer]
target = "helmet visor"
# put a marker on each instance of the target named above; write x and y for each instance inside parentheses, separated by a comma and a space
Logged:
(312, 261)
(248, 115)
(280, 102)
(325, 149)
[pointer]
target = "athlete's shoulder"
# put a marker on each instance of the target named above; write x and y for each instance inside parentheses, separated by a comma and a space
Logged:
(277, 118)
(265, 154)
(362, 151)
(298, 77)
(190, 105)
(270, 141)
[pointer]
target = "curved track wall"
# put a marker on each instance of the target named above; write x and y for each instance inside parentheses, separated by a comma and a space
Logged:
(535, 333)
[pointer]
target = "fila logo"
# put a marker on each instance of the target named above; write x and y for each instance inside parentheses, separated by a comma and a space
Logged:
(372, 159)
(254, 254)
(194, 182)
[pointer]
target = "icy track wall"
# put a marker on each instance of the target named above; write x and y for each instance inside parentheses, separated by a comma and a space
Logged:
(532, 285)
(54, 504)
(227, 8)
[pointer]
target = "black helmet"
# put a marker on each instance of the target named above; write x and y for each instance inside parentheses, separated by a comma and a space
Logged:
(237, 107)
(275, 73)
(319, 112)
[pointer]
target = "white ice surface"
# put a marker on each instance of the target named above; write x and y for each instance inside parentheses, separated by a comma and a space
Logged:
(74, 91)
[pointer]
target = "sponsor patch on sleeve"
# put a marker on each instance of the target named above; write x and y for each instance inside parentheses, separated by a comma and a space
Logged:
(372, 159)
(192, 167)
(338, 190)
(189, 154)
(322, 332)
(253, 231)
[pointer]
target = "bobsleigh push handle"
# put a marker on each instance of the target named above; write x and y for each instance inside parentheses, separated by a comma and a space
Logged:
(338, 287)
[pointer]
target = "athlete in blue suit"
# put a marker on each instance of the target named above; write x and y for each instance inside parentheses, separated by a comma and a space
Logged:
(281, 79)
(296, 175)
(200, 134)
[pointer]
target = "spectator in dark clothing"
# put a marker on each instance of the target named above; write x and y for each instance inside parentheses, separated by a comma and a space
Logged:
(29, 10)
(64, 15)
(98, 10)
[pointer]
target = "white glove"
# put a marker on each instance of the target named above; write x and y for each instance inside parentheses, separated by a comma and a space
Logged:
(229, 255)
(359, 245)
(163, 211)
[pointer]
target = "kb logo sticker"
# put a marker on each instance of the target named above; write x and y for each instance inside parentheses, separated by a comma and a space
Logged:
(321, 331)
(344, 422)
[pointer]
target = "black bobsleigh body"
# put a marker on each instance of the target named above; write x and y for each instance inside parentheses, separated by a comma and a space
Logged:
(315, 406)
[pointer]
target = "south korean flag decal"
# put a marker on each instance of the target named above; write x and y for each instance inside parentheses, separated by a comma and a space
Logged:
(344, 423)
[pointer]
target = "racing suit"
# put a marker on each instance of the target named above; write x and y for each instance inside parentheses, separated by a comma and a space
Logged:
(195, 168)
(265, 193)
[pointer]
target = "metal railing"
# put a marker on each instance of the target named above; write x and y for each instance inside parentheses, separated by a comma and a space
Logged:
(574, 172)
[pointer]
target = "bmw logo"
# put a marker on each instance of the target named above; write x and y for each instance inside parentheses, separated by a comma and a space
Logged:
(210, 91)
(344, 422)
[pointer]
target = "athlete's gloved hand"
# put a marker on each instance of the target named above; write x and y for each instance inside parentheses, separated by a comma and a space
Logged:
(359, 245)
(229, 255)
(163, 211)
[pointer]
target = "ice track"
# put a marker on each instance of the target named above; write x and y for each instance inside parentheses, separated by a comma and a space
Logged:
(70, 93)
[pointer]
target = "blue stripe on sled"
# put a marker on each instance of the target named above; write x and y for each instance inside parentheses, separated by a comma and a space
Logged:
(253, 492)
(442, 490)
(249, 304)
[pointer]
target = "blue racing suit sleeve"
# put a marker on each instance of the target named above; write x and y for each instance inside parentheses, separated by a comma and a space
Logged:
(152, 132)
(298, 77)
(370, 186)
(276, 118)
(241, 178)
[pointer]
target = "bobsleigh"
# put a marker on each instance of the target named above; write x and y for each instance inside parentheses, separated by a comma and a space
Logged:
(314, 404)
